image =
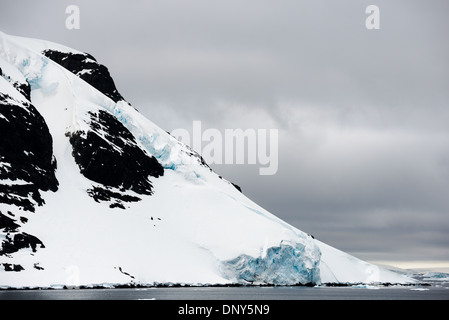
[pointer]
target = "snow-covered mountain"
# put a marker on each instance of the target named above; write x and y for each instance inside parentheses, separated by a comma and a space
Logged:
(93, 193)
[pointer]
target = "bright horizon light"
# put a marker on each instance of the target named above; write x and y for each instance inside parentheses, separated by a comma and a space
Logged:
(442, 266)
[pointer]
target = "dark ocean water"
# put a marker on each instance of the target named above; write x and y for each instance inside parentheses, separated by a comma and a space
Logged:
(225, 302)
(432, 292)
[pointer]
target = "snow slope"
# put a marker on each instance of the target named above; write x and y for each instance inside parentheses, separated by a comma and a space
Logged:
(159, 216)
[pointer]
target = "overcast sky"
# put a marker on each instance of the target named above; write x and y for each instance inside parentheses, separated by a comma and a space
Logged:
(363, 115)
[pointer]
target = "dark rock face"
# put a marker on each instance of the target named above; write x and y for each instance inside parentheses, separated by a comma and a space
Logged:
(87, 68)
(23, 87)
(108, 154)
(7, 223)
(12, 267)
(20, 241)
(27, 167)
(26, 155)
(237, 187)
(104, 194)
(14, 239)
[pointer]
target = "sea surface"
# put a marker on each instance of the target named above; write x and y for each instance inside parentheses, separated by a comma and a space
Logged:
(224, 302)
(430, 292)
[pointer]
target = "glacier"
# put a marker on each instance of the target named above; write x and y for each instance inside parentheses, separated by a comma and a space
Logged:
(176, 222)
(286, 264)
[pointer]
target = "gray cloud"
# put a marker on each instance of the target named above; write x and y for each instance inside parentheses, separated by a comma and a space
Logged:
(364, 151)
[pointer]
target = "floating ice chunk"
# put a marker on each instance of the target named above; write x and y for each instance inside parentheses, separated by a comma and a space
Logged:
(365, 286)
